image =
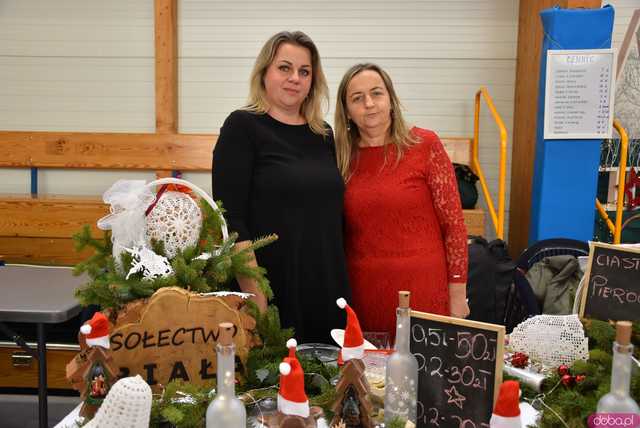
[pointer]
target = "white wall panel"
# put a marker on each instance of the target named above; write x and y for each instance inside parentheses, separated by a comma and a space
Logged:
(623, 12)
(71, 65)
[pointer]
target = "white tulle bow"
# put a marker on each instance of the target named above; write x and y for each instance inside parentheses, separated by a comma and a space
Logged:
(129, 200)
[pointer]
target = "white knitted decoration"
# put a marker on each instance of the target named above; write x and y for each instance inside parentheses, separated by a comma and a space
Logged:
(551, 340)
(127, 405)
(176, 220)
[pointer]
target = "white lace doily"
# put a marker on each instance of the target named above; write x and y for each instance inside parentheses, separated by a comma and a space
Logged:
(175, 220)
(128, 405)
(551, 339)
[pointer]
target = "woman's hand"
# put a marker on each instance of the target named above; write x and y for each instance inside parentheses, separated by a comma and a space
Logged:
(458, 305)
(260, 300)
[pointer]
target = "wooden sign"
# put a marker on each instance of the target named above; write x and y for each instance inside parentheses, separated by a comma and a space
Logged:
(612, 283)
(173, 335)
(459, 369)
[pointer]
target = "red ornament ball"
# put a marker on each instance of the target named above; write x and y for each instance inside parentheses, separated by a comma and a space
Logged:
(580, 378)
(563, 369)
(567, 380)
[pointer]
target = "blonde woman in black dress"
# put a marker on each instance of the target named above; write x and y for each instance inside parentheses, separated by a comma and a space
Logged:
(275, 171)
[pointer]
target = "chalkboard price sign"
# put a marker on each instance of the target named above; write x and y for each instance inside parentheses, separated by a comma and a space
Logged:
(612, 283)
(459, 370)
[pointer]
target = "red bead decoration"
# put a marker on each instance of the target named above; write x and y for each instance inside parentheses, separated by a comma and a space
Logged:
(580, 378)
(567, 380)
(563, 369)
(519, 360)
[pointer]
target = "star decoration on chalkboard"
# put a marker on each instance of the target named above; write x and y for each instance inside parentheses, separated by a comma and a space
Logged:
(455, 397)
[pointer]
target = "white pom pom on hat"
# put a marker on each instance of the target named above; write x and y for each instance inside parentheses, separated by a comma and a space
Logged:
(285, 368)
(341, 303)
(292, 343)
(85, 329)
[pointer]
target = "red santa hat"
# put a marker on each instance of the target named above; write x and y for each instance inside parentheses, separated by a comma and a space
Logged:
(353, 345)
(96, 331)
(506, 413)
(292, 400)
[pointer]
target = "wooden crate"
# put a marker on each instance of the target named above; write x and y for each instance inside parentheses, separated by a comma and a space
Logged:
(19, 370)
(474, 220)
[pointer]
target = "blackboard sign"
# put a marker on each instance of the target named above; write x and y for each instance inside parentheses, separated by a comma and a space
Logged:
(612, 283)
(459, 370)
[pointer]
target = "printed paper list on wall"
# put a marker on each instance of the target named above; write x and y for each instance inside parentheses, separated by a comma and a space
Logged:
(579, 94)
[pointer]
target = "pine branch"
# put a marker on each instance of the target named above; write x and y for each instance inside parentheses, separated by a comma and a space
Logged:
(211, 221)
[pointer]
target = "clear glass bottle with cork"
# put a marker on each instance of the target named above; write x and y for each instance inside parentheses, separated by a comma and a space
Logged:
(401, 380)
(618, 399)
(226, 410)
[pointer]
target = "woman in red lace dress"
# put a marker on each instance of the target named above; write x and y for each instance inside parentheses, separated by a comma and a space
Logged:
(404, 228)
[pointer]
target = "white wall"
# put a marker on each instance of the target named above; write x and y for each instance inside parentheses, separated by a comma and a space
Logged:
(75, 65)
(623, 11)
(627, 109)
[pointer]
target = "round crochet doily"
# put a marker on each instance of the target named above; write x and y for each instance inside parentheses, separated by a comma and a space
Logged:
(551, 339)
(175, 220)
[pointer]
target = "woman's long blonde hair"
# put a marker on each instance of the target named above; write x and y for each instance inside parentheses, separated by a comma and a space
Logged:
(317, 100)
(347, 134)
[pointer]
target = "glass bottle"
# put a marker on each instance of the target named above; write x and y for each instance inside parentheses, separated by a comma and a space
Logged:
(401, 383)
(226, 410)
(618, 400)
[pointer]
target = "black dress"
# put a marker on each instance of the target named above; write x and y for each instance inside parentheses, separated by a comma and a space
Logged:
(277, 178)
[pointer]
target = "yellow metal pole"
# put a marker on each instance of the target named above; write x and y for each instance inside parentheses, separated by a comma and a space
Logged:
(605, 217)
(622, 174)
(497, 218)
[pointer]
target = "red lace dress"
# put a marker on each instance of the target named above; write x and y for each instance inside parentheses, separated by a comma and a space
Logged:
(404, 230)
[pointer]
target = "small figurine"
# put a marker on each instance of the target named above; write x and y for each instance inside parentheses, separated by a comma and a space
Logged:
(351, 408)
(98, 385)
(91, 371)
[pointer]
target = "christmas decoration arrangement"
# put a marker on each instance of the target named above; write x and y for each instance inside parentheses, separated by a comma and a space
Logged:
(180, 246)
(184, 404)
(169, 321)
(571, 392)
(168, 253)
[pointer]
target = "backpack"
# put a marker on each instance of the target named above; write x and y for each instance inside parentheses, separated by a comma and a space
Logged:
(489, 279)
(466, 180)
